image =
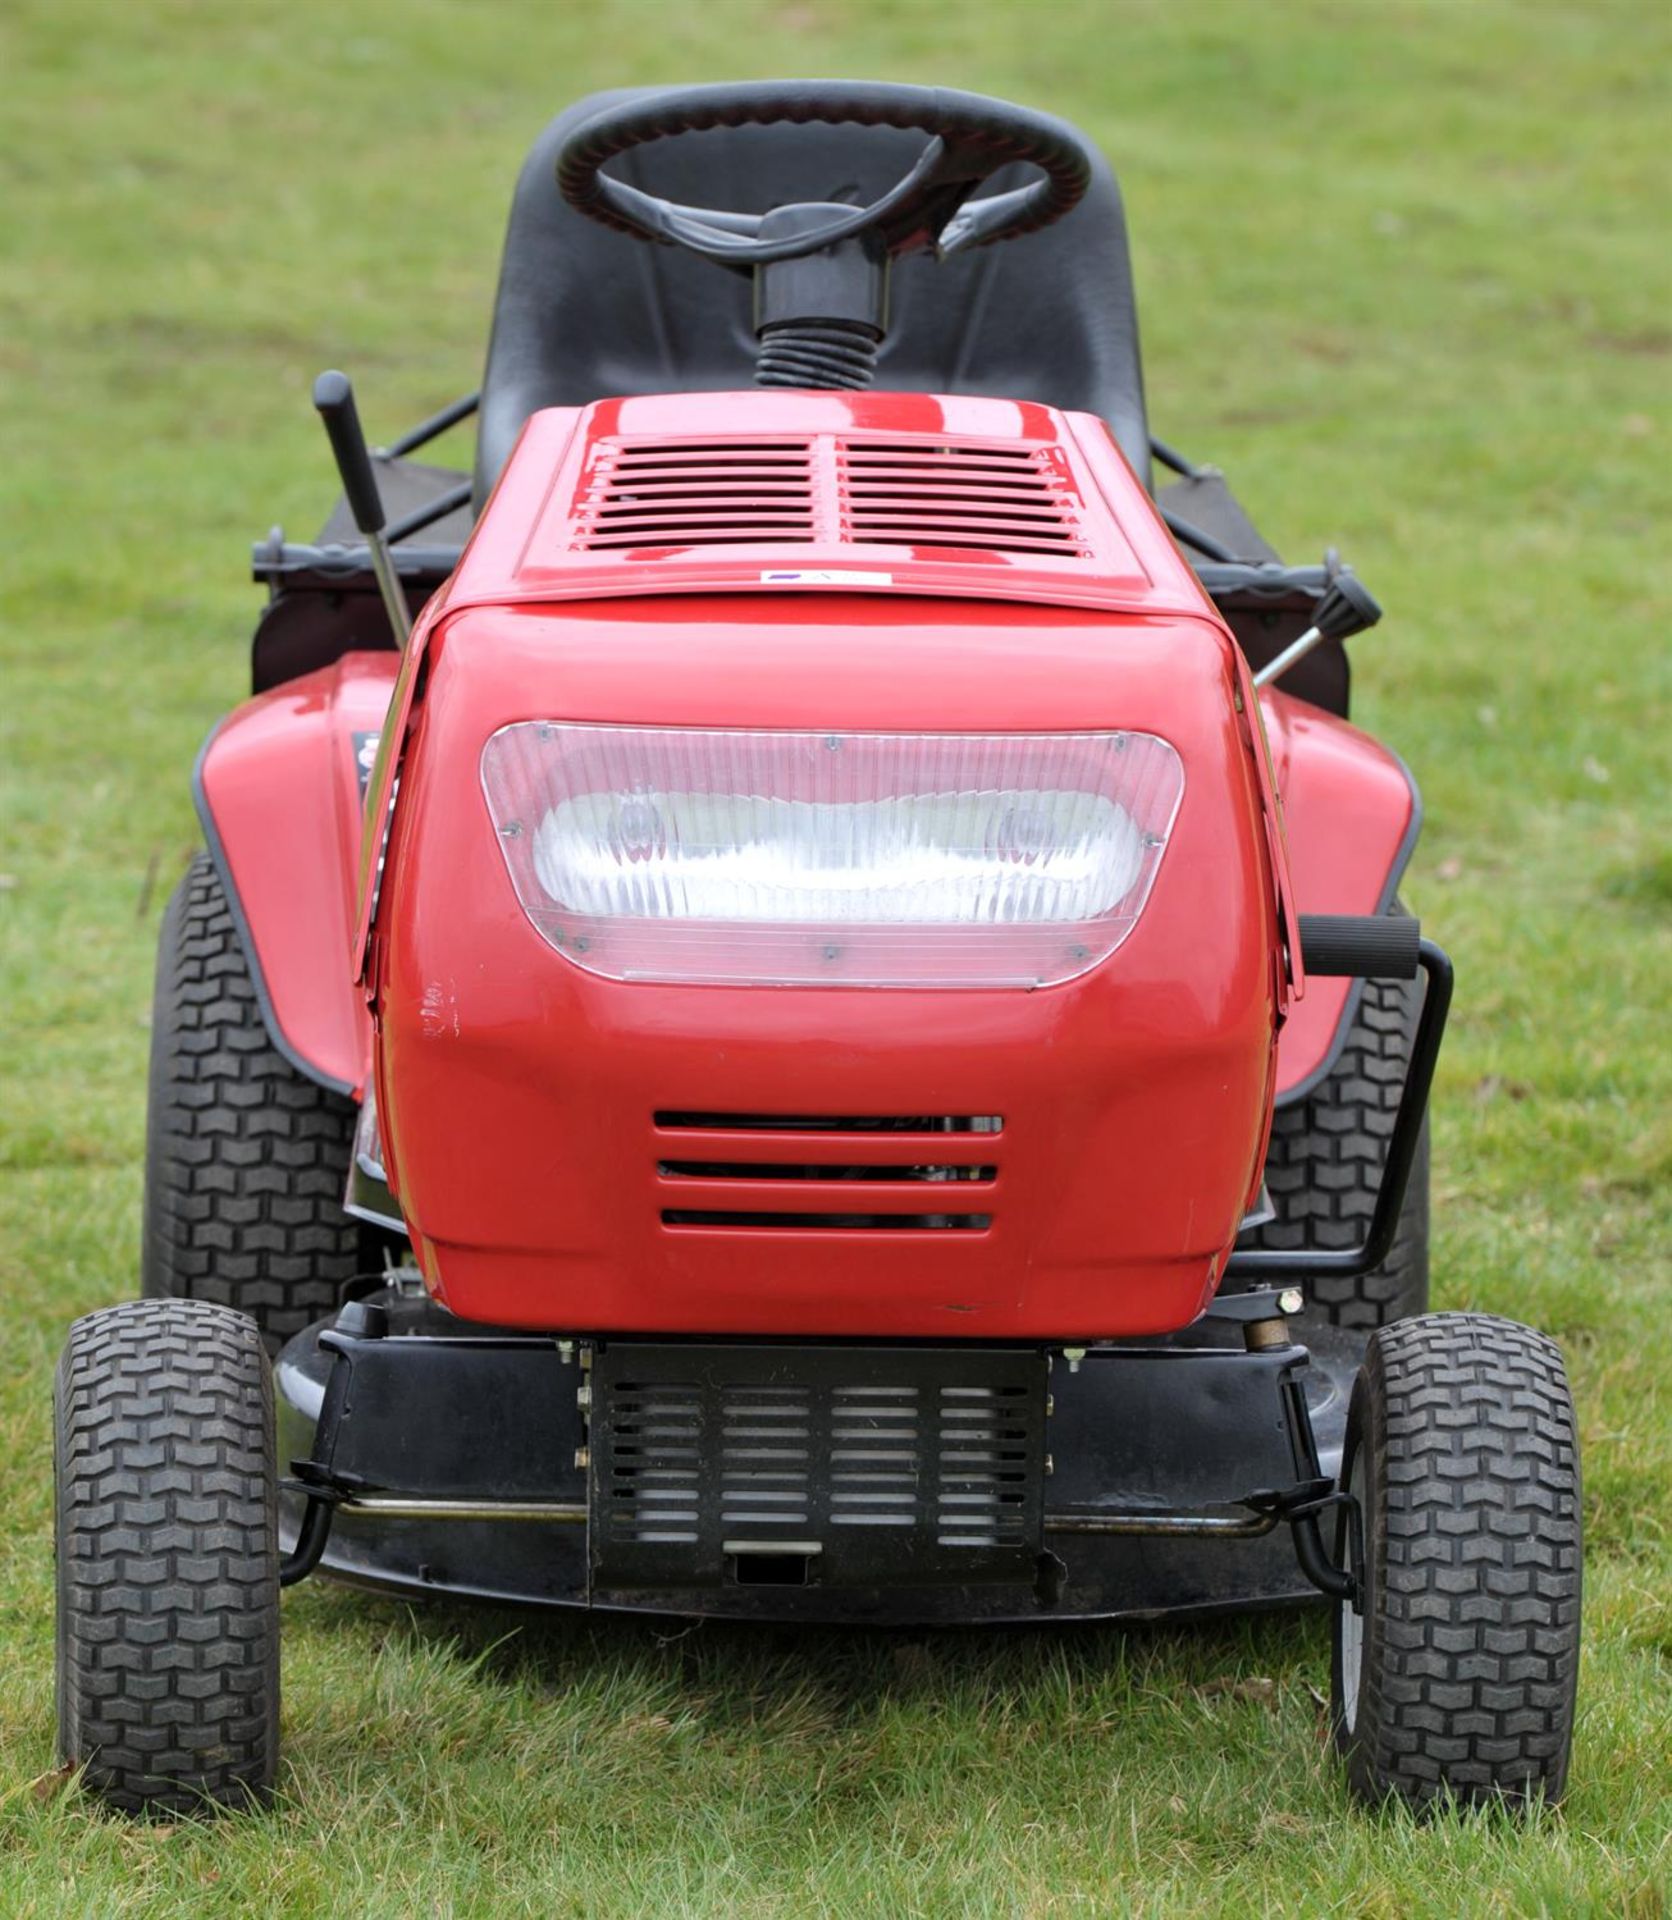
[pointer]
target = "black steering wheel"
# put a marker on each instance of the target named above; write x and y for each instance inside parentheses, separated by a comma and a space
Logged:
(970, 138)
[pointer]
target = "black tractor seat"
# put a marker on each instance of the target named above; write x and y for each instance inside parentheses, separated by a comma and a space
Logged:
(584, 313)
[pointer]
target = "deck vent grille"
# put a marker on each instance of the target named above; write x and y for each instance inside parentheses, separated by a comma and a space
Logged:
(766, 1450)
(875, 1456)
(982, 1459)
(859, 1467)
(654, 1493)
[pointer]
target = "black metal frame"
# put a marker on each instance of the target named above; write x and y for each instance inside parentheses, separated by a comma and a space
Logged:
(290, 565)
(365, 1437)
(1301, 1264)
(527, 1468)
(434, 427)
(286, 565)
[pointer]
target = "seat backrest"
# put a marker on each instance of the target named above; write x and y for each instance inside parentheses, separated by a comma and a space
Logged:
(584, 313)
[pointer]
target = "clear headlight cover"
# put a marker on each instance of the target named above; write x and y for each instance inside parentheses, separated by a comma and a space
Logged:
(754, 858)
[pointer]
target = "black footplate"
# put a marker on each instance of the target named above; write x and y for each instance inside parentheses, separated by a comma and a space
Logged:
(818, 1465)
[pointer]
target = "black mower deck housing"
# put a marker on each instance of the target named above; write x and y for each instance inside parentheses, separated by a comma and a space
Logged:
(858, 1483)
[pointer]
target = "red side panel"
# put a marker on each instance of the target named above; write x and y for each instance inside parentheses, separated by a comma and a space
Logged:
(279, 789)
(1352, 813)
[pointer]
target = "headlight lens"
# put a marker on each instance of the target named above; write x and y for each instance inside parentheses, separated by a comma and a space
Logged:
(734, 857)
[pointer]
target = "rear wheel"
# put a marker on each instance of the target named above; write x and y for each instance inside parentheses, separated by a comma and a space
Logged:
(1455, 1672)
(168, 1560)
(246, 1158)
(1324, 1167)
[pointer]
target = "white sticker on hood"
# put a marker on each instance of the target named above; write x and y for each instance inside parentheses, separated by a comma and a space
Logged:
(823, 577)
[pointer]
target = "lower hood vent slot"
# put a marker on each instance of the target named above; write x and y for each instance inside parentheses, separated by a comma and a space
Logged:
(674, 1122)
(843, 1173)
(771, 1170)
(858, 1222)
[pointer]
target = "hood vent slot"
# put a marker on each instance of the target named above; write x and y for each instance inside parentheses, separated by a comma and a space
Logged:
(830, 1173)
(829, 491)
(1001, 500)
(828, 1222)
(648, 494)
(768, 1170)
(678, 1122)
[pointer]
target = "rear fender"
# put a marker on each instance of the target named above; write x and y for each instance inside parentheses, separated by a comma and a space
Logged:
(1352, 814)
(280, 788)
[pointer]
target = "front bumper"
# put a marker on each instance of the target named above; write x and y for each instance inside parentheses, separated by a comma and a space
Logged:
(774, 1481)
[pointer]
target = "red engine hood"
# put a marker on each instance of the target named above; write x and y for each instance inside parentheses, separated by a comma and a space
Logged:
(808, 492)
(774, 492)
(519, 1093)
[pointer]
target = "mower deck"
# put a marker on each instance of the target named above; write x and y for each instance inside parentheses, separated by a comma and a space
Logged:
(821, 1483)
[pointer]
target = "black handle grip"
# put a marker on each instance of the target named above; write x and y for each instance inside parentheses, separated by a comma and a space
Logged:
(334, 398)
(1362, 946)
(1348, 608)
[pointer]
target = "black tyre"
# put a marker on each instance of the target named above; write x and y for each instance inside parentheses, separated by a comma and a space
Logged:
(1458, 1674)
(1324, 1167)
(246, 1158)
(168, 1559)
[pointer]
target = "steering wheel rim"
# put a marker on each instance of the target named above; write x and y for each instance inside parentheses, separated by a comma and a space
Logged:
(970, 137)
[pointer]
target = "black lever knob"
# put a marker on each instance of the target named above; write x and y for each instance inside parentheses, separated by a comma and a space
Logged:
(1347, 608)
(334, 398)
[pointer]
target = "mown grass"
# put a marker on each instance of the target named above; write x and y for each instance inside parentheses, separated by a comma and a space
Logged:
(1405, 272)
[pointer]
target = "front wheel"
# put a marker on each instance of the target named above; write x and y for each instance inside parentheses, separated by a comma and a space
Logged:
(1454, 1673)
(168, 1557)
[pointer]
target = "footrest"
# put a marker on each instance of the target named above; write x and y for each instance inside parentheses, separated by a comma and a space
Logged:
(828, 1466)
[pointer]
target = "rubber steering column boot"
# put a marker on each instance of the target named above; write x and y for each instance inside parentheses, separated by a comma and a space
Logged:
(821, 316)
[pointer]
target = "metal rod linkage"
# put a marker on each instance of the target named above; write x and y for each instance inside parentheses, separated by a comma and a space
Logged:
(1296, 651)
(389, 1506)
(431, 511)
(436, 425)
(1306, 1263)
(1139, 1524)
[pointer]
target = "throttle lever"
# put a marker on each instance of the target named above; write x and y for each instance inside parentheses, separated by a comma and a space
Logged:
(1348, 607)
(334, 398)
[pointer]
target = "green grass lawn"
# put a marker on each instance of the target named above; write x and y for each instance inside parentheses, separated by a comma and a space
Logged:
(1404, 271)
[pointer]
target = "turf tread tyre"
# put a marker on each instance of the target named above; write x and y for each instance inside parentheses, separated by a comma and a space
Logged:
(246, 1157)
(1470, 1637)
(1324, 1167)
(167, 1548)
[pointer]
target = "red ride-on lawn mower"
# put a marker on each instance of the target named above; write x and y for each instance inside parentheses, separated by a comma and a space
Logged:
(826, 1035)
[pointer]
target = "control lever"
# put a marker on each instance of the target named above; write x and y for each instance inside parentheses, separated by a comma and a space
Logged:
(334, 398)
(1348, 607)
